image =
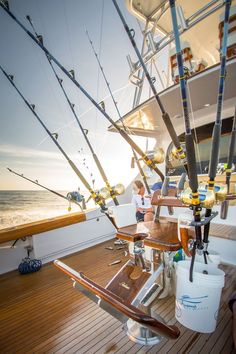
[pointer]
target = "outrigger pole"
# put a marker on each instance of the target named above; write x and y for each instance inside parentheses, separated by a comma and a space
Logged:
(42, 186)
(145, 158)
(118, 112)
(190, 150)
(215, 145)
(165, 115)
(96, 197)
(97, 161)
(225, 204)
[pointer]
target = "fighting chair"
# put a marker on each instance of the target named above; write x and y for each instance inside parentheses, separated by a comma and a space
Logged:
(146, 277)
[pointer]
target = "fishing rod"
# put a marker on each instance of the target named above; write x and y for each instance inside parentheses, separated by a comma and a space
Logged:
(165, 116)
(48, 189)
(225, 204)
(96, 197)
(118, 112)
(215, 145)
(145, 158)
(190, 150)
(97, 161)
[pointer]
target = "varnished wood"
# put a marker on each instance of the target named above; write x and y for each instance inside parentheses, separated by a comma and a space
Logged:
(169, 200)
(42, 313)
(159, 235)
(131, 233)
(121, 305)
(125, 285)
(37, 227)
(185, 236)
(162, 236)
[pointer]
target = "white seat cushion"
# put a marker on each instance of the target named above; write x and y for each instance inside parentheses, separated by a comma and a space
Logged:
(123, 215)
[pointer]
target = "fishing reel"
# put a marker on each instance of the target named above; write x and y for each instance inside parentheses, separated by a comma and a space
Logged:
(74, 197)
(221, 168)
(220, 190)
(175, 154)
(107, 193)
(157, 155)
(207, 197)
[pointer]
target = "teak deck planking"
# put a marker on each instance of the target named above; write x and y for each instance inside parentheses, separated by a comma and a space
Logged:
(42, 313)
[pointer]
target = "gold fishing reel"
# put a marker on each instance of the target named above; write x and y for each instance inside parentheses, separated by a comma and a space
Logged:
(220, 190)
(157, 155)
(207, 197)
(176, 154)
(116, 190)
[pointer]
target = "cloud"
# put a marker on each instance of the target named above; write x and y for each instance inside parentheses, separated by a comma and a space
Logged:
(22, 151)
(30, 156)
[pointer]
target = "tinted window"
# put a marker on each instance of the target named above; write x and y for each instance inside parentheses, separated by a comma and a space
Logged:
(203, 147)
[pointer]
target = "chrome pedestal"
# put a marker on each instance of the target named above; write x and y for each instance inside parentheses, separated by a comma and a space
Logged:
(141, 335)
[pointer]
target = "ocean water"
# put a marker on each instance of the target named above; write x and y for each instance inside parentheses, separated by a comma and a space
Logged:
(21, 207)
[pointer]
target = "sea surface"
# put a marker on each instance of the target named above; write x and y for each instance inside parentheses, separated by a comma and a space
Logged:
(21, 207)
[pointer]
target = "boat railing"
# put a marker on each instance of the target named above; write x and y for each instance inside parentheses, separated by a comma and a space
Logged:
(37, 227)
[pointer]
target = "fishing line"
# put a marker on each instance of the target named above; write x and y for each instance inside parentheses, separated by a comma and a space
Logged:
(96, 197)
(98, 72)
(85, 164)
(190, 149)
(194, 127)
(68, 36)
(165, 116)
(83, 131)
(71, 122)
(232, 142)
(44, 187)
(149, 162)
(159, 75)
(117, 110)
(216, 134)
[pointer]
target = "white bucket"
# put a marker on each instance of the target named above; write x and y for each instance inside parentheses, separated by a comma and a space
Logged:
(197, 302)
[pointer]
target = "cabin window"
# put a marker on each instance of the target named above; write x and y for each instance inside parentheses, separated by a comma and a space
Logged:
(202, 137)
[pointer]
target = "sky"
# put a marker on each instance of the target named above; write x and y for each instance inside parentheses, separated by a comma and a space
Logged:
(24, 145)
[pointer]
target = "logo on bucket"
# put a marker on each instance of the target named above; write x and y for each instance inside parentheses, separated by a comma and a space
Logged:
(192, 303)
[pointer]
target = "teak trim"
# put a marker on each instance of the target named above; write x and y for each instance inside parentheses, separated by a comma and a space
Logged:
(37, 227)
(120, 305)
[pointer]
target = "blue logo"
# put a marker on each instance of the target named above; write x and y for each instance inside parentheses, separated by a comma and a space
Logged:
(191, 302)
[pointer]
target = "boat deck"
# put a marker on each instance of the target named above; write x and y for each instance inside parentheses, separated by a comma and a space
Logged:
(42, 313)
